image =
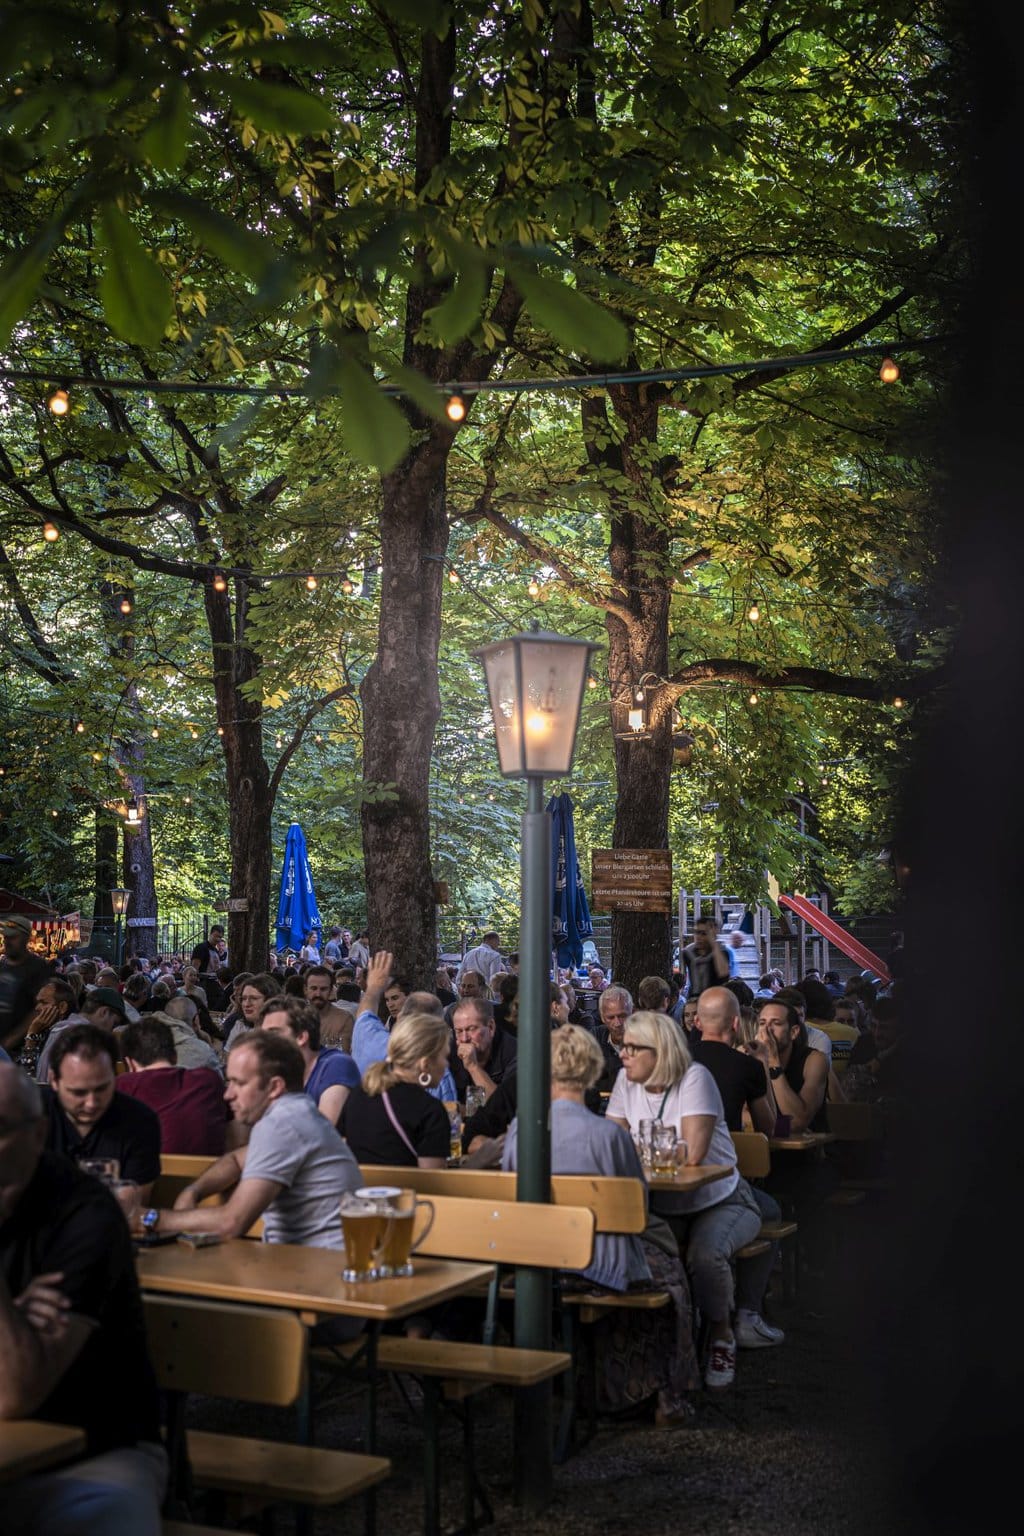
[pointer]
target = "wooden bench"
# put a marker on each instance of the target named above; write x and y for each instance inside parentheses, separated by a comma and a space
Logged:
(754, 1161)
(619, 1206)
(251, 1355)
(501, 1232)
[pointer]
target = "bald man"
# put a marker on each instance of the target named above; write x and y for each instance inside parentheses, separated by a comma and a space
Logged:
(742, 1080)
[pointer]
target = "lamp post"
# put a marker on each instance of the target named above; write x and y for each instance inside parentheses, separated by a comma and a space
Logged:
(535, 682)
(119, 899)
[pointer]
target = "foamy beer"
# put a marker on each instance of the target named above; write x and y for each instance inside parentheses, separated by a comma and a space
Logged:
(365, 1226)
(401, 1239)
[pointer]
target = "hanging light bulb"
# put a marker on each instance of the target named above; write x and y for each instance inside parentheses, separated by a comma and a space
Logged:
(80, 727)
(59, 403)
(188, 799)
(53, 813)
(97, 757)
(220, 730)
(311, 583)
(456, 408)
(889, 371)
(754, 613)
(193, 733)
(50, 532)
(132, 813)
(490, 797)
(347, 587)
(277, 743)
(898, 703)
(155, 733)
(752, 699)
(220, 581)
(454, 578)
(534, 586)
(319, 740)
(591, 680)
(125, 605)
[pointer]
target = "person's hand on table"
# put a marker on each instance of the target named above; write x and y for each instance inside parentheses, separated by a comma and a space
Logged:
(44, 1305)
(486, 1152)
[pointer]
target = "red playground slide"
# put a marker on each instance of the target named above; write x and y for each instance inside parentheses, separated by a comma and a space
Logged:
(836, 935)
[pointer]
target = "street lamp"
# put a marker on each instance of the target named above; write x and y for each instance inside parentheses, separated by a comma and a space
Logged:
(535, 682)
(119, 899)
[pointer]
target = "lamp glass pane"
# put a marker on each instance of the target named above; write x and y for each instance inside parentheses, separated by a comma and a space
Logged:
(501, 669)
(554, 676)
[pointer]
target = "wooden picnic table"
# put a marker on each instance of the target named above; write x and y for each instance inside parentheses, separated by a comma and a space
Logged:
(29, 1445)
(801, 1141)
(688, 1178)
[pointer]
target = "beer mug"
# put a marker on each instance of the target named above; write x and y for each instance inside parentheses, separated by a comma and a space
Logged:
(365, 1227)
(401, 1241)
(663, 1149)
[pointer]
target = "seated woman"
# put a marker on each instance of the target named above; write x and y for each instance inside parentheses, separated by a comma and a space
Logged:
(392, 1118)
(253, 994)
(660, 1081)
(640, 1353)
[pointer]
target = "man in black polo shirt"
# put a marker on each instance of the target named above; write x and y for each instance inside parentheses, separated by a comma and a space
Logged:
(483, 1054)
(21, 975)
(72, 1338)
(742, 1081)
(87, 1119)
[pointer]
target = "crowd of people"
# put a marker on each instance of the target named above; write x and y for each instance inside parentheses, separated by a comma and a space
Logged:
(290, 1078)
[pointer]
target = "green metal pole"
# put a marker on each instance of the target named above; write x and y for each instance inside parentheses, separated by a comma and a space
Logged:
(533, 1439)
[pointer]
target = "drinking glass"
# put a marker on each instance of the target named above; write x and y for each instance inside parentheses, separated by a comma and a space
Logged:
(401, 1243)
(663, 1149)
(645, 1141)
(126, 1193)
(104, 1168)
(455, 1123)
(476, 1098)
(365, 1226)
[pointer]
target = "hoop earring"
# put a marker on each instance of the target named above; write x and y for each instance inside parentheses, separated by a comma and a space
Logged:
(424, 1080)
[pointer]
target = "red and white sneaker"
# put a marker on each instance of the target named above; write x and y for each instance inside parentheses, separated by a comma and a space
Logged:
(721, 1367)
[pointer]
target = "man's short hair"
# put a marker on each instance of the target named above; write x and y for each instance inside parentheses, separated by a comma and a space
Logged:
(62, 992)
(706, 922)
(149, 1041)
(421, 1002)
(508, 989)
(319, 970)
(820, 1004)
(611, 995)
(481, 978)
(216, 928)
(490, 934)
(790, 997)
(181, 1008)
(743, 994)
(401, 982)
(137, 987)
(347, 992)
(277, 1056)
(481, 1007)
(652, 993)
(86, 1040)
(303, 1018)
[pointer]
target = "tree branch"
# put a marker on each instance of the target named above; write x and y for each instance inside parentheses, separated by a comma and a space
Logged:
(345, 691)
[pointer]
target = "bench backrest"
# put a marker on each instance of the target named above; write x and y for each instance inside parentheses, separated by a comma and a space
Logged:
(510, 1232)
(618, 1204)
(251, 1354)
(753, 1155)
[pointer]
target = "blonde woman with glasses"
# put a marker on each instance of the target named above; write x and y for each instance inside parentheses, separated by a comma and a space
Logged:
(660, 1081)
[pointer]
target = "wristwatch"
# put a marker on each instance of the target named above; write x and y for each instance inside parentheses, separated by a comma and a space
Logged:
(773, 1072)
(150, 1219)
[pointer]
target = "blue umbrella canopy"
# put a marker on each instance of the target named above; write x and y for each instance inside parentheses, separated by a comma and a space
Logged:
(297, 911)
(571, 915)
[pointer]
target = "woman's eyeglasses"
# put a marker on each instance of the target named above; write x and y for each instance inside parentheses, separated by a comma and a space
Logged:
(628, 1048)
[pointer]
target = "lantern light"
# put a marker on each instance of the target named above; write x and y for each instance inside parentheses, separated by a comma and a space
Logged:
(535, 683)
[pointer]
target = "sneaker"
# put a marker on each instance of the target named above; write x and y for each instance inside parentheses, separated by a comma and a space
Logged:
(721, 1366)
(752, 1332)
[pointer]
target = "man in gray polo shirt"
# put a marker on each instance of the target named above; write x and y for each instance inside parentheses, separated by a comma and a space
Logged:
(294, 1170)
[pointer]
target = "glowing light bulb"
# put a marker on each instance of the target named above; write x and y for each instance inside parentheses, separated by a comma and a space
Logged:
(456, 408)
(898, 703)
(319, 740)
(490, 797)
(889, 371)
(50, 532)
(53, 813)
(155, 733)
(454, 578)
(220, 730)
(311, 583)
(59, 403)
(752, 699)
(754, 614)
(80, 727)
(125, 605)
(220, 581)
(347, 587)
(591, 680)
(193, 733)
(97, 757)
(534, 586)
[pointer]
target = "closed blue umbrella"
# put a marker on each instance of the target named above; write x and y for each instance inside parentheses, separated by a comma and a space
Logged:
(297, 912)
(571, 915)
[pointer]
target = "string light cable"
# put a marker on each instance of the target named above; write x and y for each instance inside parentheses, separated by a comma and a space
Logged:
(457, 391)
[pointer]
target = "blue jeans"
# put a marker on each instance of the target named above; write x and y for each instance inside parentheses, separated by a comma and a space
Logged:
(119, 1491)
(708, 1241)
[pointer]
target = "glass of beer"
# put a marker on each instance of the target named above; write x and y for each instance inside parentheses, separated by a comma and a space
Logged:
(663, 1149)
(365, 1226)
(400, 1243)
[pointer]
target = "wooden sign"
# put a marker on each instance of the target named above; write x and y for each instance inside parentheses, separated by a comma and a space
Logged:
(238, 904)
(631, 880)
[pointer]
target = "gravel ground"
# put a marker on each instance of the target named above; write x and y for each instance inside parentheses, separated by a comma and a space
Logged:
(789, 1448)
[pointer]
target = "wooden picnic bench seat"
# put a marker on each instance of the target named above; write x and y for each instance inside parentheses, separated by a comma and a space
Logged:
(754, 1161)
(252, 1355)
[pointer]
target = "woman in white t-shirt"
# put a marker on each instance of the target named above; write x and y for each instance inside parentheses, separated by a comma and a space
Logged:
(660, 1081)
(309, 954)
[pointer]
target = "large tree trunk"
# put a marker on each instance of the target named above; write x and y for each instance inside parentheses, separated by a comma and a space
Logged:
(638, 551)
(401, 705)
(250, 797)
